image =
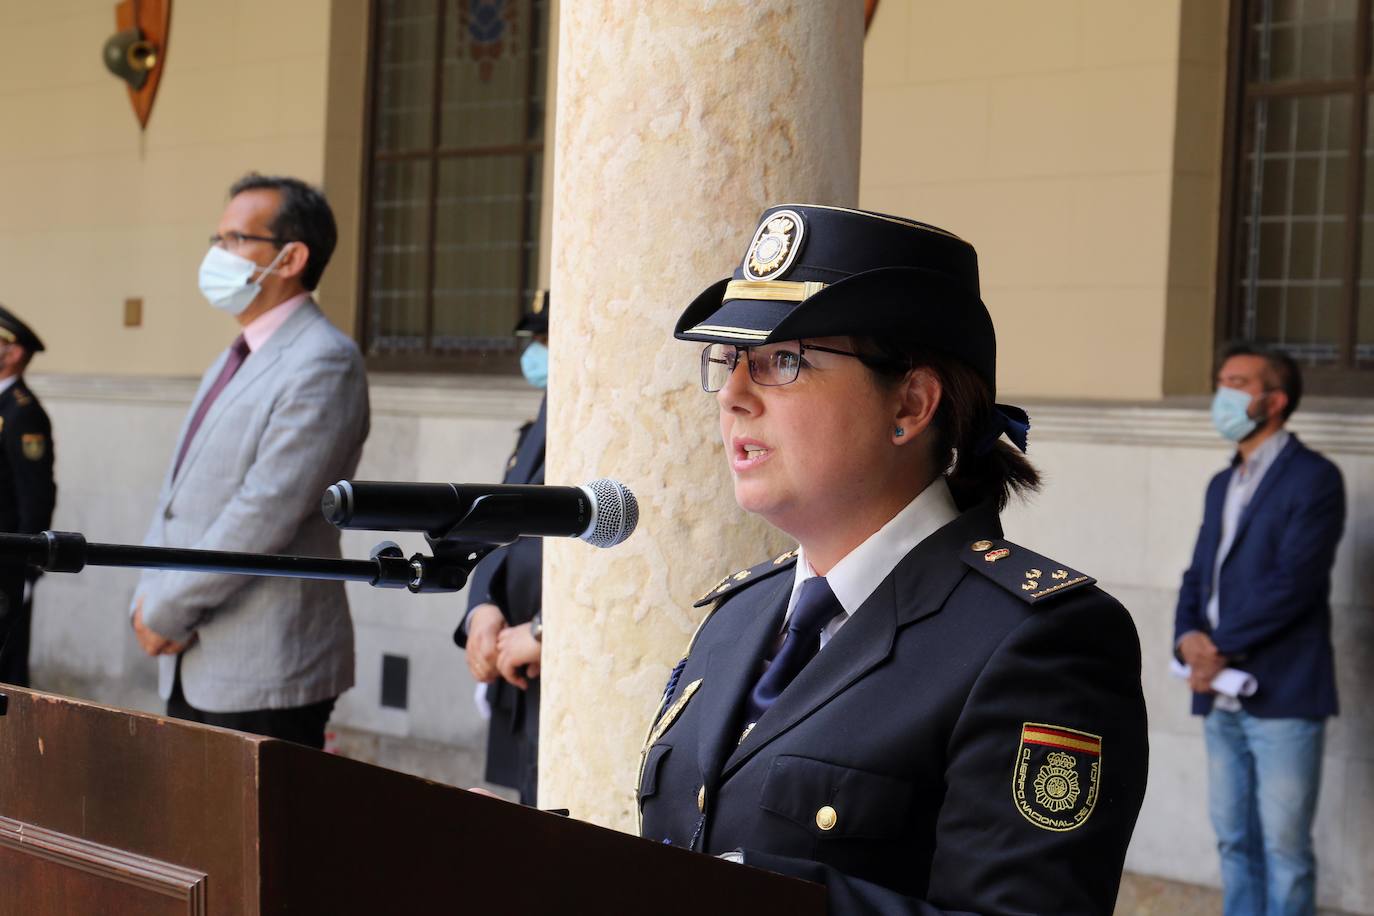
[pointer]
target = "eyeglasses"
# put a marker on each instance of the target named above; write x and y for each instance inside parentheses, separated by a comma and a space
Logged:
(235, 239)
(771, 365)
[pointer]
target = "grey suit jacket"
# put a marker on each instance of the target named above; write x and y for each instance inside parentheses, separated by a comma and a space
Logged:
(291, 421)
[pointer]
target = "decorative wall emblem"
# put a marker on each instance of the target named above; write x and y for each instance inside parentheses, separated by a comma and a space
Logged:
(137, 51)
(487, 29)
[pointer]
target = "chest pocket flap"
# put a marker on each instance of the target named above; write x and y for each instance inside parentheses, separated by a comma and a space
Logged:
(648, 780)
(832, 801)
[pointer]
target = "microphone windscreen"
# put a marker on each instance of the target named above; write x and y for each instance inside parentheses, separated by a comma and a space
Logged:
(617, 513)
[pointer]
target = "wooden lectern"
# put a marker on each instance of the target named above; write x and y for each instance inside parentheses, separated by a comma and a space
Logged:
(110, 812)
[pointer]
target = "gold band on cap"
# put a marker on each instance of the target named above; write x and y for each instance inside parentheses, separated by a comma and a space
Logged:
(7, 335)
(772, 290)
(734, 333)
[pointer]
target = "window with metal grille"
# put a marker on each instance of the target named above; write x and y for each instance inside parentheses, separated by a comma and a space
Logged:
(456, 142)
(1297, 257)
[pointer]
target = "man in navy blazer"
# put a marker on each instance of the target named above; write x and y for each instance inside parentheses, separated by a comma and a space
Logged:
(1256, 601)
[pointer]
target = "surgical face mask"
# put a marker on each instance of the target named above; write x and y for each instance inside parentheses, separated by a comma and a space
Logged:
(1230, 414)
(534, 363)
(226, 279)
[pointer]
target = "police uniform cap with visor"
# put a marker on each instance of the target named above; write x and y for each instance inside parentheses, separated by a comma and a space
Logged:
(535, 320)
(14, 331)
(814, 271)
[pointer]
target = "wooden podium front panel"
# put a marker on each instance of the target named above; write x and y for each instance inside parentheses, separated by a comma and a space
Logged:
(160, 789)
(43, 873)
(341, 836)
(132, 813)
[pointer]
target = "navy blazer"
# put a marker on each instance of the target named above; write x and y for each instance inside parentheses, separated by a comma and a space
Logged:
(1275, 611)
(899, 767)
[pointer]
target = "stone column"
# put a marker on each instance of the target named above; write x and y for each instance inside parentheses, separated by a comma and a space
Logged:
(677, 124)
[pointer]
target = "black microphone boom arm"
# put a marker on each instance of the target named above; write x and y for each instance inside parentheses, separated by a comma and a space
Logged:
(68, 552)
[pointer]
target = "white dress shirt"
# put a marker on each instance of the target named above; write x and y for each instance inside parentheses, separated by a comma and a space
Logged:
(1240, 489)
(864, 568)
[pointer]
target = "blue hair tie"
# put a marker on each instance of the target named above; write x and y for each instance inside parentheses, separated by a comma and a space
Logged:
(1013, 422)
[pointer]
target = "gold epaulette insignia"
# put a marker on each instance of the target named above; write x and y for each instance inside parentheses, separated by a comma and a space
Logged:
(745, 577)
(1025, 578)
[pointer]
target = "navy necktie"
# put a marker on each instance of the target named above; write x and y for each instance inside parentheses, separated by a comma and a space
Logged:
(816, 606)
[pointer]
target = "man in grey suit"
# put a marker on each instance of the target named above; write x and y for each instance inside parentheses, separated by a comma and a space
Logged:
(280, 415)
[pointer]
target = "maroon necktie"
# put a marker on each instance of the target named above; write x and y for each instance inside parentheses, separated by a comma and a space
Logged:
(238, 352)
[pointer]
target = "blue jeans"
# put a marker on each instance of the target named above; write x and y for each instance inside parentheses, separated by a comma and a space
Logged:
(1262, 778)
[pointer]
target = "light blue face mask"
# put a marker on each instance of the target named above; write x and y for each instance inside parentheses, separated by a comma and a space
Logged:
(1230, 414)
(534, 363)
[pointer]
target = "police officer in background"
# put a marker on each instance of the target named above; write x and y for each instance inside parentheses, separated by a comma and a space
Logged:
(27, 490)
(503, 630)
(908, 708)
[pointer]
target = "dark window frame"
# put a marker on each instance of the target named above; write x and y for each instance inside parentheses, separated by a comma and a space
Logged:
(498, 362)
(1344, 379)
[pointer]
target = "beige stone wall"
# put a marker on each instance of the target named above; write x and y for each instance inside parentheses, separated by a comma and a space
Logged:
(93, 210)
(1077, 145)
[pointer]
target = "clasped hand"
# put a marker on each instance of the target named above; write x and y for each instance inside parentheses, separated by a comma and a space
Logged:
(1204, 661)
(151, 642)
(497, 650)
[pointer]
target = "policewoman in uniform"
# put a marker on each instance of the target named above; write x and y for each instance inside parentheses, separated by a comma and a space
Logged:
(27, 490)
(908, 708)
(502, 631)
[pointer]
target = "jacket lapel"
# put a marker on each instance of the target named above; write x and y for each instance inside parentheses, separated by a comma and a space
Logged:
(731, 669)
(915, 589)
(1266, 486)
(253, 368)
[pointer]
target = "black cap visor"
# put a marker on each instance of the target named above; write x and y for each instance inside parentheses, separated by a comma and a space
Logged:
(914, 305)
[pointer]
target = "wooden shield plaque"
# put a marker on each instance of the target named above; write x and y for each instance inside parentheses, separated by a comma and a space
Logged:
(152, 18)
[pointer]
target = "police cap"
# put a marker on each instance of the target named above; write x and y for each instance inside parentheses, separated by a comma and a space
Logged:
(536, 318)
(12, 330)
(814, 271)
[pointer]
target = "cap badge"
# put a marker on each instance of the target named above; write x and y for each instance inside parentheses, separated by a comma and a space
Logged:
(775, 246)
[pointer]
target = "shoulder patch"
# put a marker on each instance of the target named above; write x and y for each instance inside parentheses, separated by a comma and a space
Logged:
(35, 446)
(1027, 575)
(746, 577)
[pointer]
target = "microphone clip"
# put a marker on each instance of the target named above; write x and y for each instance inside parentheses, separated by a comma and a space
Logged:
(446, 570)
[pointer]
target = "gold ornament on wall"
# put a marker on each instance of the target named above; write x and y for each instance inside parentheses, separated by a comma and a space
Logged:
(137, 51)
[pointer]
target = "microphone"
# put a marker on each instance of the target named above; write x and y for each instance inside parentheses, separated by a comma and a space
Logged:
(603, 513)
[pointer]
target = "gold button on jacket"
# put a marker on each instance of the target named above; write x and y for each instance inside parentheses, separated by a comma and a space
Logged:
(826, 817)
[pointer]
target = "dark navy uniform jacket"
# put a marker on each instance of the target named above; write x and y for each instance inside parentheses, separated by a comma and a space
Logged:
(1275, 614)
(27, 491)
(27, 497)
(973, 739)
(511, 578)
